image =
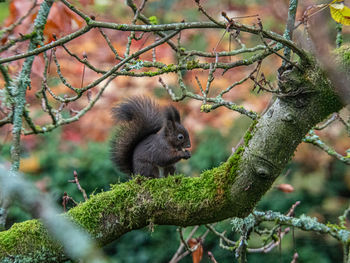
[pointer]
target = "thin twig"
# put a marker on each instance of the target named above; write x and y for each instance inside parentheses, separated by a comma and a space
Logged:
(83, 61)
(76, 181)
(19, 21)
(240, 81)
(315, 140)
(267, 248)
(211, 257)
(109, 43)
(61, 121)
(62, 78)
(221, 235)
(187, 252)
(329, 121)
(181, 246)
(65, 199)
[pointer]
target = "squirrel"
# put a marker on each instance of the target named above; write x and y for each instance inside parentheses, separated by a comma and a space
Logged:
(149, 140)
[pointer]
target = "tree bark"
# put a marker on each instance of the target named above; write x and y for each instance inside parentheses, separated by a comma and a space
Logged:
(230, 190)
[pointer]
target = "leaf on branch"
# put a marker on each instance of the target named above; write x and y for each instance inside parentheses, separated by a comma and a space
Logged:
(286, 188)
(198, 253)
(340, 12)
(153, 20)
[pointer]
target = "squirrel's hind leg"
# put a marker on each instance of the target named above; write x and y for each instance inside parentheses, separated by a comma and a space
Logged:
(169, 170)
(146, 169)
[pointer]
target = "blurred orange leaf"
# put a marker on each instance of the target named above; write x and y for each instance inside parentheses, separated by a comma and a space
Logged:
(17, 9)
(60, 21)
(198, 253)
(87, 2)
(30, 164)
(286, 188)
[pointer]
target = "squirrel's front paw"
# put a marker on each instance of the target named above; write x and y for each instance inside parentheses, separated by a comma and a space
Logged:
(187, 154)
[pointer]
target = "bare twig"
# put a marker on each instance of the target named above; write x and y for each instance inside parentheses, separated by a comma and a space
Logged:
(109, 43)
(267, 248)
(62, 78)
(76, 181)
(211, 257)
(65, 199)
(46, 105)
(185, 243)
(19, 21)
(292, 209)
(329, 121)
(295, 258)
(315, 140)
(182, 245)
(179, 255)
(221, 235)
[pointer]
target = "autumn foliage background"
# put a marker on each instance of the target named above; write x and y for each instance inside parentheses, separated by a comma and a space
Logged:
(320, 182)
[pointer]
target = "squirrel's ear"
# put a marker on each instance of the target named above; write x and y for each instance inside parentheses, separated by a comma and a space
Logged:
(172, 114)
(176, 114)
(169, 126)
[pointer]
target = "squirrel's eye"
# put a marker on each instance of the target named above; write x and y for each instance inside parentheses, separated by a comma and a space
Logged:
(180, 136)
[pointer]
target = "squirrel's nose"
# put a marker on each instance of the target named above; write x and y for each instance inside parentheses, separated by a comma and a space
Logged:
(188, 145)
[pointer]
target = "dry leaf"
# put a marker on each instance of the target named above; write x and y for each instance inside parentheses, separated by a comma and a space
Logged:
(286, 188)
(198, 253)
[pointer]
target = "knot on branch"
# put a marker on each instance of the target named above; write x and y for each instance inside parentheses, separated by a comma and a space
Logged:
(289, 78)
(294, 87)
(288, 117)
(262, 167)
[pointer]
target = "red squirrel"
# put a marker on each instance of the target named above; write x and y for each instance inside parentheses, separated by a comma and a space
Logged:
(149, 139)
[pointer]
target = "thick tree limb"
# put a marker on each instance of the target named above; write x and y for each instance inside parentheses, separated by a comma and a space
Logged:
(230, 190)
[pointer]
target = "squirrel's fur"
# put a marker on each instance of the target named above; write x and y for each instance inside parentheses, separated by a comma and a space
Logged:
(149, 140)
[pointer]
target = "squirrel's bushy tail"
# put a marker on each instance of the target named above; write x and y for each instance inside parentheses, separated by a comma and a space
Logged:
(136, 118)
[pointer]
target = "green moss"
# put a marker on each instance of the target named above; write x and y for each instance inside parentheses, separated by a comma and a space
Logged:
(145, 196)
(22, 239)
(235, 160)
(181, 191)
(169, 68)
(343, 56)
(166, 69)
(237, 107)
(335, 226)
(206, 108)
(328, 99)
(88, 20)
(313, 87)
(152, 74)
(247, 137)
(192, 64)
(249, 134)
(121, 200)
(121, 27)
